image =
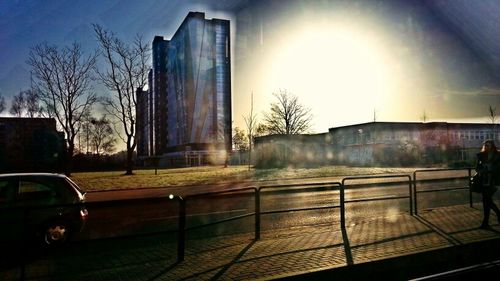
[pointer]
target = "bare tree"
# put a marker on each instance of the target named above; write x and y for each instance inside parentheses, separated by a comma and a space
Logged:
(127, 71)
(32, 103)
(492, 111)
(287, 116)
(251, 123)
(84, 128)
(239, 139)
(26, 103)
(17, 105)
(492, 114)
(63, 80)
(261, 130)
(102, 135)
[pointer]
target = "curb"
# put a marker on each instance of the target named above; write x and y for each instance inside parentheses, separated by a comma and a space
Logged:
(410, 266)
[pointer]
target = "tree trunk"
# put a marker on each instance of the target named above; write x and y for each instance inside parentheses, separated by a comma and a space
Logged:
(69, 159)
(130, 155)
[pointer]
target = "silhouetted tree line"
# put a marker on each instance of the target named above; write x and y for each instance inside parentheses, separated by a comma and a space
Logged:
(63, 80)
(90, 162)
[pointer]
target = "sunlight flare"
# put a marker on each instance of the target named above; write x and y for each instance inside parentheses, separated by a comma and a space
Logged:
(334, 66)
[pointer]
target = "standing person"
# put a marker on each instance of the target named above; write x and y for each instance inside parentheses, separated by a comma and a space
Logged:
(488, 165)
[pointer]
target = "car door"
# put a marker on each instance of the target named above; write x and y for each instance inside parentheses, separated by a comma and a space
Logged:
(10, 214)
(35, 198)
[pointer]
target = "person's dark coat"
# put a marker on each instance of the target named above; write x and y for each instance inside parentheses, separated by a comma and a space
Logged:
(482, 162)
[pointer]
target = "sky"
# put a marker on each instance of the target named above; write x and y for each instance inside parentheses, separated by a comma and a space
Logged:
(351, 60)
(348, 61)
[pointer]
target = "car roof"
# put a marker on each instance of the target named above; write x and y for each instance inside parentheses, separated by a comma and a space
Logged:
(32, 175)
(51, 175)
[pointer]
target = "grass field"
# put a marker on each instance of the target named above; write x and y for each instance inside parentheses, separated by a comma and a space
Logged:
(215, 175)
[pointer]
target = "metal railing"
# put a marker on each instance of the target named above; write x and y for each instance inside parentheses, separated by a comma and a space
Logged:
(343, 187)
(182, 227)
(258, 212)
(259, 192)
(416, 191)
(294, 188)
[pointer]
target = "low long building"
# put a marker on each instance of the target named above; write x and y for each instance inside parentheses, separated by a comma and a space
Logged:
(30, 144)
(379, 143)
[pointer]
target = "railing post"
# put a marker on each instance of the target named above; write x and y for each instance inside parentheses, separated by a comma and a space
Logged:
(257, 213)
(415, 192)
(342, 205)
(410, 188)
(470, 190)
(181, 232)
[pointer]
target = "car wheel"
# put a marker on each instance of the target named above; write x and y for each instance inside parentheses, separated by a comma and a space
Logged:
(56, 233)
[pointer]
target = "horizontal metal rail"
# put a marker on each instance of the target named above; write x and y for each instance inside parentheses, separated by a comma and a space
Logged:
(396, 183)
(375, 177)
(343, 187)
(298, 188)
(443, 169)
(299, 210)
(301, 185)
(220, 221)
(222, 192)
(443, 189)
(376, 199)
(415, 181)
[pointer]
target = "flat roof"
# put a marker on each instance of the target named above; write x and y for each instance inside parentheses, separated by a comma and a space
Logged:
(424, 124)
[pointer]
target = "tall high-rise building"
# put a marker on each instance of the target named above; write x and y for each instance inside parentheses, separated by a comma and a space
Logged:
(159, 86)
(142, 123)
(190, 97)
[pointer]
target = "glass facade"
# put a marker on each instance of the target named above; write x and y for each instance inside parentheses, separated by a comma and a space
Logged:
(198, 85)
(189, 101)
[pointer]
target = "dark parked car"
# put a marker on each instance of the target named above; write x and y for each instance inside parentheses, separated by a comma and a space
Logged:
(47, 207)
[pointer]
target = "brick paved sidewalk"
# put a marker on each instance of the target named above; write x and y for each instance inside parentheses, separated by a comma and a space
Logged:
(278, 254)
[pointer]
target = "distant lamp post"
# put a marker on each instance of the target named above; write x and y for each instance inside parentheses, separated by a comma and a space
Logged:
(464, 153)
(361, 158)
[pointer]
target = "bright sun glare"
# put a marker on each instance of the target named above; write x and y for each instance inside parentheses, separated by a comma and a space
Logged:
(342, 74)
